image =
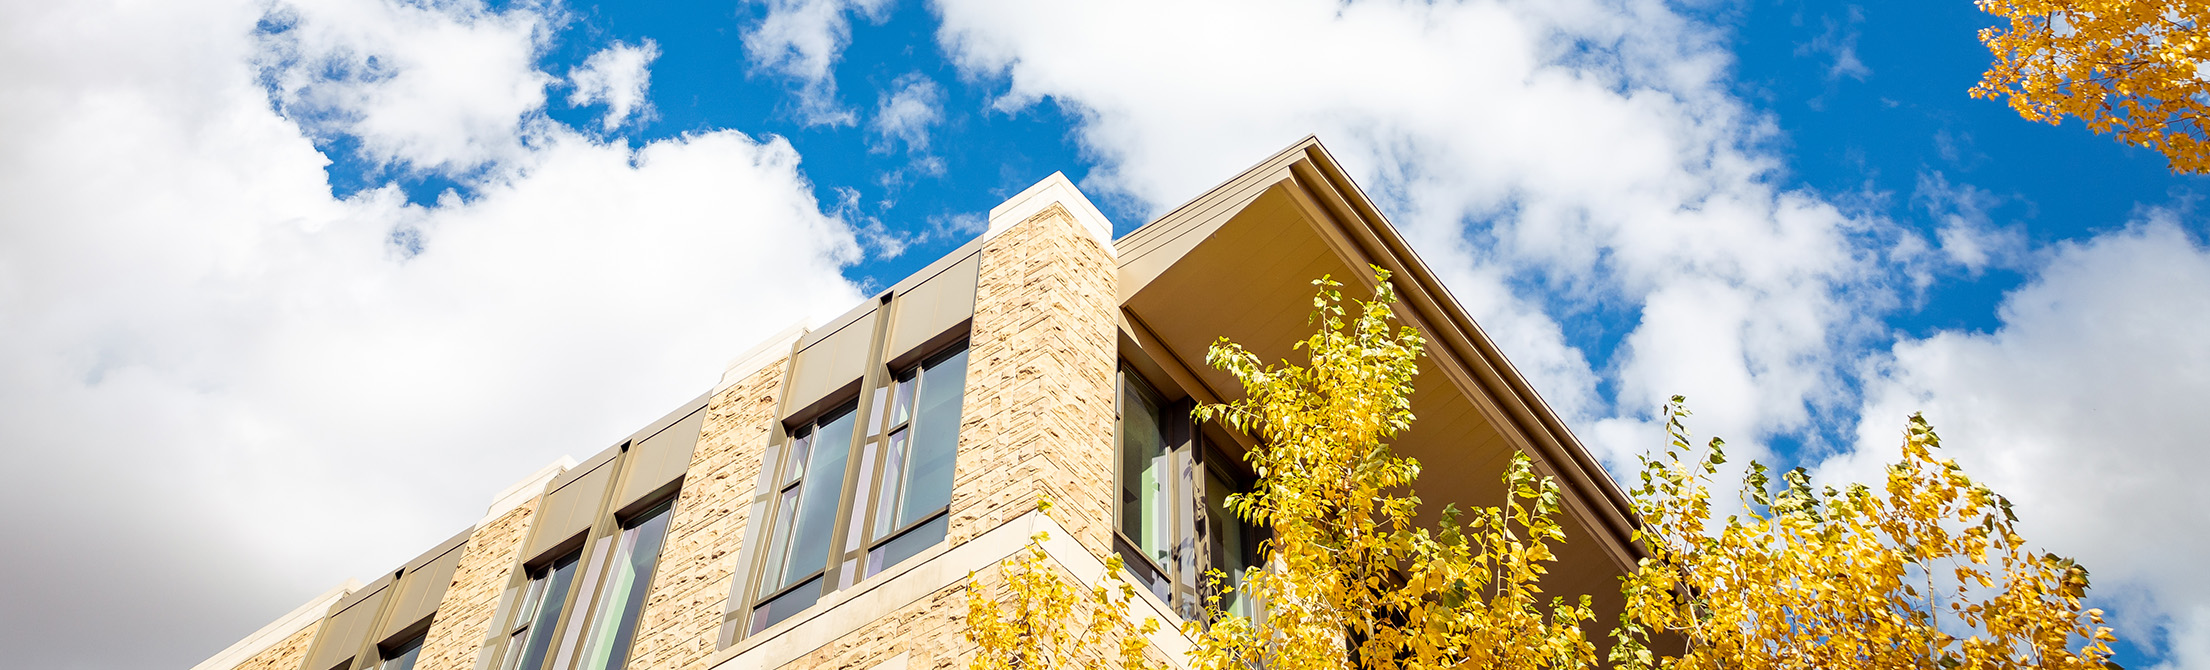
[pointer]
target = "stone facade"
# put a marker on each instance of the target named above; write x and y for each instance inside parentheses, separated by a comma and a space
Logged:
(464, 615)
(1038, 414)
(678, 627)
(286, 655)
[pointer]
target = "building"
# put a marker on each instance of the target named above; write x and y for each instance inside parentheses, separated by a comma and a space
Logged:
(823, 505)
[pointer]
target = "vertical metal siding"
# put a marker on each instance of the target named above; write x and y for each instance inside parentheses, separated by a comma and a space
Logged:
(659, 459)
(932, 307)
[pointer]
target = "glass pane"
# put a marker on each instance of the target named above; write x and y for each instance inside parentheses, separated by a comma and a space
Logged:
(798, 451)
(629, 576)
(515, 641)
(785, 508)
(893, 467)
(908, 545)
(928, 477)
(403, 657)
(1231, 543)
(774, 611)
(816, 522)
(553, 596)
(1144, 468)
(584, 588)
(903, 409)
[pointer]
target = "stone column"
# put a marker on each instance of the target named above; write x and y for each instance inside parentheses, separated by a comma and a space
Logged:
(1037, 419)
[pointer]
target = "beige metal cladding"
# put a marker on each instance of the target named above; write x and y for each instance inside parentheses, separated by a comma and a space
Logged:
(573, 504)
(346, 629)
(421, 587)
(831, 359)
(940, 302)
(661, 458)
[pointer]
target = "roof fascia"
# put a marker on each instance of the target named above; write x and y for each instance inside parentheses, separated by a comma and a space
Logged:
(1497, 386)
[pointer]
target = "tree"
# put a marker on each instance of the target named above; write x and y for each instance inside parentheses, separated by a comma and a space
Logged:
(1851, 578)
(1927, 571)
(1349, 581)
(1051, 625)
(2135, 68)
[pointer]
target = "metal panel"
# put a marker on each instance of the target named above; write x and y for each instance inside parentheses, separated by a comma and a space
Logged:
(347, 627)
(422, 586)
(659, 459)
(831, 362)
(571, 508)
(932, 307)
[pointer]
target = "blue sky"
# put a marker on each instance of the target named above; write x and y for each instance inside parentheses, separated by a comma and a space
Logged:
(1867, 103)
(260, 225)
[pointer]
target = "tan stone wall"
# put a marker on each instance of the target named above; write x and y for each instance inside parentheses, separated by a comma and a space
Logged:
(679, 623)
(927, 630)
(930, 632)
(464, 616)
(285, 655)
(1038, 413)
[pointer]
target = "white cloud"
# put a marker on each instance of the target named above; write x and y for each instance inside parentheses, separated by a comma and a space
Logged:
(1968, 237)
(438, 85)
(2085, 408)
(908, 110)
(1590, 151)
(618, 76)
(801, 40)
(217, 379)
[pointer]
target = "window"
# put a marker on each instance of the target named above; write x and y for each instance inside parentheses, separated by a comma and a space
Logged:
(402, 657)
(920, 442)
(805, 515)
(900, 491)
(1234, 541)
(1172, 518)
(542, 602)
(629, 574)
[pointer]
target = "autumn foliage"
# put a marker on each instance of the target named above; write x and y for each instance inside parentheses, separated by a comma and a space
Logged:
(2133, 68)
(1927, 570)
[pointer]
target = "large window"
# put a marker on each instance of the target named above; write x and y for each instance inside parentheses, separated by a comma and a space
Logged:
(898, 499)
(547, 595)
(1172, 518)
(611, 585)
(629, 574)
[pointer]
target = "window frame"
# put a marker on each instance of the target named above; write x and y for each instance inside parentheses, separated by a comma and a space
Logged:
(866, 482)
(1180, 582)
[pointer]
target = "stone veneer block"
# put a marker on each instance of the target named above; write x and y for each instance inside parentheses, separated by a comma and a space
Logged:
(457, 635)
(1037, 419)
(285, 655)
(682, 616)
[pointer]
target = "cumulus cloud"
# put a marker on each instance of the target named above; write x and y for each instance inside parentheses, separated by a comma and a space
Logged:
(1548, 158)
(1968, 236)
(219, 377)
(908, 110)
(2084, 408)
(801, 40)
(618, 76)
(447, 85)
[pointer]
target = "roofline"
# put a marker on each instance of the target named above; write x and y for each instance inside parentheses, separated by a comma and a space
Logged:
(1363, 234)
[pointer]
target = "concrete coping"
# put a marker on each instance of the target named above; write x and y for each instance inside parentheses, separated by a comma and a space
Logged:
(1053, 189)
(280, 629)
(772, 349)
(525, 490)
(845, 612)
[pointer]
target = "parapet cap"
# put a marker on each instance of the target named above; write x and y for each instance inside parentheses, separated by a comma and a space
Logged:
(1053, 189)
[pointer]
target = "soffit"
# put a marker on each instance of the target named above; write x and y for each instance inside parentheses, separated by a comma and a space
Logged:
(1238, 262)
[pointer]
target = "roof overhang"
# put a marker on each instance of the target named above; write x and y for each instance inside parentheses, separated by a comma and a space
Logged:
(1238, 262)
